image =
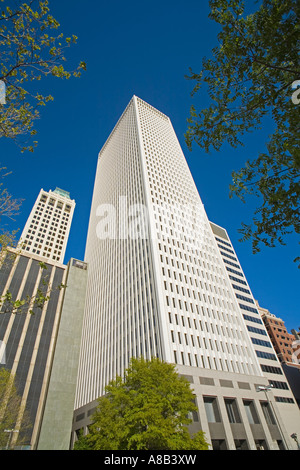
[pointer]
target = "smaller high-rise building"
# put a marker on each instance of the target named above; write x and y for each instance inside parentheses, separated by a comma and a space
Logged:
(39, 341)
(282, 340)
(47, 228)
(284, 396)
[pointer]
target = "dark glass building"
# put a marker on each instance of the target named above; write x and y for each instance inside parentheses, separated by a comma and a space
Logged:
(29, 332)
(31, 336)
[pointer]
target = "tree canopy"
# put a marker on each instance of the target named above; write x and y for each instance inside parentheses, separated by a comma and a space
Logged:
(29, 51)
(252, 77)
(147, 410)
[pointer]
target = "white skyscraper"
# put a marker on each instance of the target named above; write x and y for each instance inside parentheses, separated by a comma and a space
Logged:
(162, 292)
(47, 229)
(157, 284)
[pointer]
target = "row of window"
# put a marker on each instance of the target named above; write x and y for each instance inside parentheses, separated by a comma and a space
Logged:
(223, 241)
(232, 264)
(235, 279)
(266, 355)
(210, 362)
(259, 331)
(245, 299)
(242, 289)
(56, 255)
(47, 218)
(238, 273)
(41, 230)
(260, 342)
(226, 249)
(203, 343)
(250, 309)
(278, 384)
(228, 256)
(232, 408)
(271, 369)
(51, 203)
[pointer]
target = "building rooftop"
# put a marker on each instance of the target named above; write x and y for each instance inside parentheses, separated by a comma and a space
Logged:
(61, 192)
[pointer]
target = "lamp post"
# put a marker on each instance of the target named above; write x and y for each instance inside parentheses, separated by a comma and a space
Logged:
(266, 389)
(294, 436)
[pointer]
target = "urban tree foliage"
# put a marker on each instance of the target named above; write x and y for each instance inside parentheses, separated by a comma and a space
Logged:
(14, 418)
(30, 50)
(253, 77)
(149, 409)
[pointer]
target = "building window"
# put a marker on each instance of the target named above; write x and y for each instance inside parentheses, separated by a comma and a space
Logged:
(260, 342)
(268, 414)
(251, 412)
(253, 319)
(278, 384)
(219, 444)
(232, 410)
(211, 408)
(271, 369)
(241, 444)
(265, 355)
(284, 400)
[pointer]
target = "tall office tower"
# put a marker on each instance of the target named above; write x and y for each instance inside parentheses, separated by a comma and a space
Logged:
(157, 286)
(47, 228)
(265, 331)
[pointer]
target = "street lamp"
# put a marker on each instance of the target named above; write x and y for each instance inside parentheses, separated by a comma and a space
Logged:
(294, 436)
(267, 388)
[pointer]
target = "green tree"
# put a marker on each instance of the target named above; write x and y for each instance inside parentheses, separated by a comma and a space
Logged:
(29, 51)
(13, 416)
(9, 208)
(147, 410)
(27, 303)
(250, 79)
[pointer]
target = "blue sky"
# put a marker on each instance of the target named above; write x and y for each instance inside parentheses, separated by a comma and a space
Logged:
(142, 48)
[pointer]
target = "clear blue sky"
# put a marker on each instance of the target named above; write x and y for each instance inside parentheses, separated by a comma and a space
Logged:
(142, 48)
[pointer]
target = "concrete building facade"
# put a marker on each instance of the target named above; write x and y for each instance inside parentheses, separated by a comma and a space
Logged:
(47, 228)
(29, 338)
(157, 286)
(56, 424)
(42, 347)
(282, 340)
(40, 339)
(279, 390)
